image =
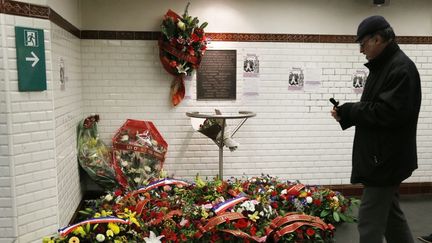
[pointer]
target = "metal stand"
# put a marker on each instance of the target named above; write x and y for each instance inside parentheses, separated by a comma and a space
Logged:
(244, 115)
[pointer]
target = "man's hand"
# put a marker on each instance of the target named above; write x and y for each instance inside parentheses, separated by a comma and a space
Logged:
(334, 114)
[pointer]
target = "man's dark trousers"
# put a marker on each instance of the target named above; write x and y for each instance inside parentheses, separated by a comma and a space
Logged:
(380, 215)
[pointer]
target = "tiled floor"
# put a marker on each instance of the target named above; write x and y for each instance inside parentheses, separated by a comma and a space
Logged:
(417, 209)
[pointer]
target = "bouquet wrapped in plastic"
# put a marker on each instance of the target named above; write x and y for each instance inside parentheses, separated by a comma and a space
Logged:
(212, 128)
(181, 47)
(93, 155)
(138, 153)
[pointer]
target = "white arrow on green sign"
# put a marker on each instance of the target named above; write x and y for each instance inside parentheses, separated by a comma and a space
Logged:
(30, 50)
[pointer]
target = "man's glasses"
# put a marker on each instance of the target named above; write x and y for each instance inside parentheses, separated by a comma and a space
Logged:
(363, 42)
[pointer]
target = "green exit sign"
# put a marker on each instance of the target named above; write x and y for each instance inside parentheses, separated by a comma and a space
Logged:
(30, 50)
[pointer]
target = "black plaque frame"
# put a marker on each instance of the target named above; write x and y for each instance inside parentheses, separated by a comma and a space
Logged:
(217, 75)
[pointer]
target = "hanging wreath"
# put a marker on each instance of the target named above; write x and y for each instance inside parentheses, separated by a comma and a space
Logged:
(181, 47)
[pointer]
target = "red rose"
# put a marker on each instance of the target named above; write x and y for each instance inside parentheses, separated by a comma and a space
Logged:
(195, 37)
(118, 192)
(241, 224)
(274, 205)
(253, 230)
(173, 63)
(317, 202)
(310, 232)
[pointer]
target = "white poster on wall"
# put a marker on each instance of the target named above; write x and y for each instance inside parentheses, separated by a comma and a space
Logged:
(251, 75)
(359, 80)
(188, 82)
(296, 78)
(312, 79)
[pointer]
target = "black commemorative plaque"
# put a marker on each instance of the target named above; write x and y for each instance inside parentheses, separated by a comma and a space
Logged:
(216, 76)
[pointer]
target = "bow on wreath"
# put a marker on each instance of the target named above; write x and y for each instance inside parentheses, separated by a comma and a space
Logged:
(181, 47)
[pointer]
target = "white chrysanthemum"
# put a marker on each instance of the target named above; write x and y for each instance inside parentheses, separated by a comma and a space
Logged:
(108, 197)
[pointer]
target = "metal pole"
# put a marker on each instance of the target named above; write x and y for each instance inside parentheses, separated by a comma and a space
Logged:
(221, 147)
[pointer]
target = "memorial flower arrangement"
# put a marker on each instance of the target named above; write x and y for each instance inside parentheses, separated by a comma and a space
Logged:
(93, 155)
(181, 47)
(257, 209)
(138, 153)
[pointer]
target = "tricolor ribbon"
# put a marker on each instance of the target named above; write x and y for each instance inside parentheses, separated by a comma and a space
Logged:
(160, 183)
(221, 207)
(66, 230)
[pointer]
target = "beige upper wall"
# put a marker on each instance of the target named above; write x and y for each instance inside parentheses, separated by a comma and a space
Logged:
(412, 17)
(68, 9)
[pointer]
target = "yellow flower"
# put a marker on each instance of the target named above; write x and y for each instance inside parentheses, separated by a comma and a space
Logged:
(129, 215)
(106, 213)
(303, 194)
(204, 214)
(74, 239)
(254, 216)
(109, 233)
(199, 182)
(47, 239)
(97, 215)
(79, 230)
(114, 227)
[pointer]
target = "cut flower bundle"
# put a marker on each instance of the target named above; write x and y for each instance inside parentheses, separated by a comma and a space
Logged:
(181, 47)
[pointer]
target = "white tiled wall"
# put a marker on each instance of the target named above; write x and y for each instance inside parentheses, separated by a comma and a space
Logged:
(30, 117)
(68, 112)
(292, 136)
(6, 202)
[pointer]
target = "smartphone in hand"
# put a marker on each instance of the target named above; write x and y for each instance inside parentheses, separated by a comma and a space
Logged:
(334, 102)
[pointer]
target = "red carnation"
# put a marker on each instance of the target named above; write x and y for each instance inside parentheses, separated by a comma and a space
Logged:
(241, 224)
(310, 232)
(253, 230)
(195, 38)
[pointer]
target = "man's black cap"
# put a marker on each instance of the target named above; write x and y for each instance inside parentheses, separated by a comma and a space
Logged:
(370, 25)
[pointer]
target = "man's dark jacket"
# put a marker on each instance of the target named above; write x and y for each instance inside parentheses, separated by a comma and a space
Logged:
(385, 120)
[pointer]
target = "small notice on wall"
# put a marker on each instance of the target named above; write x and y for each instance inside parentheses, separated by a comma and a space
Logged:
(359, 81)
(251, 77)
(296, 78)
(312, 80)
(216, 76)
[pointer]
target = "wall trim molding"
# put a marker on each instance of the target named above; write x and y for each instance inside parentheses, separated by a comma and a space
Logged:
(37, 11)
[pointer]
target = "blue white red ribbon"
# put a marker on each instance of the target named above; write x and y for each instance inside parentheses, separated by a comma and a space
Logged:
(159, 183)
(66, 230)
(221, 207)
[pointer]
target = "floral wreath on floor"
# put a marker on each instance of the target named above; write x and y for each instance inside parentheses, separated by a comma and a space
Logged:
(257, 209)
(181, 47)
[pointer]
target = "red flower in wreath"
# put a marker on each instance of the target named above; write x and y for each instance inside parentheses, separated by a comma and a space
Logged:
(181, 47)
(310, 232)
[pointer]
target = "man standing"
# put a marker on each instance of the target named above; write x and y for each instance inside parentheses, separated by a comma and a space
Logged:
(385, 120)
